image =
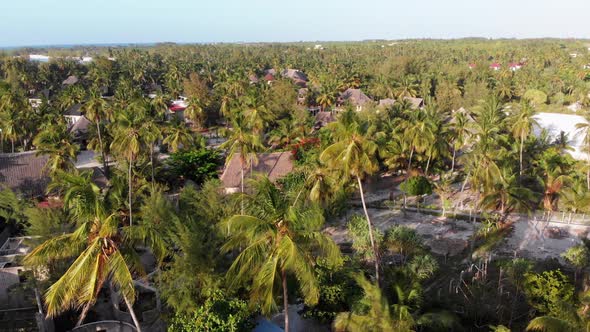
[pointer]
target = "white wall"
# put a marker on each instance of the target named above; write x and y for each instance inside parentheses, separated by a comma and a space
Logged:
(556, 122)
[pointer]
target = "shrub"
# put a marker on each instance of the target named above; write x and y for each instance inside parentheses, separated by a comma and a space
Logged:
(196, 165)
(358, 231)
(416, 185)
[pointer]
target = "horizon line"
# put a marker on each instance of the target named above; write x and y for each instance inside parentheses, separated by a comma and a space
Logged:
(154, 43)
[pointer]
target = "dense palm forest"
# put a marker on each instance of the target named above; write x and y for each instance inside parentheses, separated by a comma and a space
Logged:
(472, 154)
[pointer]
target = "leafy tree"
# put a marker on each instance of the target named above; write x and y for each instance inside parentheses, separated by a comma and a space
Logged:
(548, 291)
(220, 313)
(196, 165)
(578, 256)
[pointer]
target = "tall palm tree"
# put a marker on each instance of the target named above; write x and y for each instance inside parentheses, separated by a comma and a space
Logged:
(96, 110)
(243, 142)
(522, 126)
(151, 133)
(178, 135)
(277, 238)
(507, 195)
(379, 317)
(11, 104)
(102, 248)
(195, 112)
(354, 154)
(56, 142)
(461, 132)
(583, 129)
(127, 141)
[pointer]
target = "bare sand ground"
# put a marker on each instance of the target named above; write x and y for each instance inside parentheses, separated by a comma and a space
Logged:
(529, 238)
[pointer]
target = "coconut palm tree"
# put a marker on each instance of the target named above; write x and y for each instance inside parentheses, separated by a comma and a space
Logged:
(11, 105)
(178, 135)
(56, 142)
(96, 110)
(243, 142)
(583, 128)
(128, 142)
(379, 316)
(523, 122)
(354, 155)
(461, 132)
(507, 195)
(102, 249)
(277, 238)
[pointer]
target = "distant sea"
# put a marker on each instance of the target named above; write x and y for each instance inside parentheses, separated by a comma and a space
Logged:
(61, 46)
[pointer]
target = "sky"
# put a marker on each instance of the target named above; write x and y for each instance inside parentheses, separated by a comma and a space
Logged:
(51, 22)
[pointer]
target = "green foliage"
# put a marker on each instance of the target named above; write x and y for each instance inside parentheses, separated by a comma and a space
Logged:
(338, 290)
(219, 313)
(196, 165)
(416, 186)
(536, 97)
(358, 231)
(577, 256)
(403, 241)
(12, 210)
(548, 291)
(193, 274)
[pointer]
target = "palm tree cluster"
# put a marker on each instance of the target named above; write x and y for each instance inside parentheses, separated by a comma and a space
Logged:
(267, 245)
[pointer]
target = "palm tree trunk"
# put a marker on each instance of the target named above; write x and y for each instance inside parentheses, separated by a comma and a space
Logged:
(427, 166)
(410, 160)
(12, 143)
(521, 147)
(587, 172)
(152, 163)
(130, 191)
(83, 314)
(373, 245)
(104, 159)
(453, 160)
(285, 299)
(132, 313)
(242, 184)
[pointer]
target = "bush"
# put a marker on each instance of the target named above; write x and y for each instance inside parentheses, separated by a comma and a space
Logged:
(219, 313)
(196, 165)
(537, 97)
(547, 291)
(358, 231)
(416, 186)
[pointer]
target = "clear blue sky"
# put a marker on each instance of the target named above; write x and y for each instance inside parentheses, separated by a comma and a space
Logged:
(42, 22)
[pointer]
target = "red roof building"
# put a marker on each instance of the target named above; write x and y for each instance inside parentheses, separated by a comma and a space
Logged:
(495, 66)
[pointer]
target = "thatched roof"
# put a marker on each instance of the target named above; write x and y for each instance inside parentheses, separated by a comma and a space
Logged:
(80, 128)
(323, 118)
(72, 79)
(24, 172)
(274, 165)
(386, 102)
(415, 102)
(74, 110)
(355, 97)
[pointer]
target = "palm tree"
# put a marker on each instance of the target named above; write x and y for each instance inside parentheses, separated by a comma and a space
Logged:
(507, 195)
(56, 142)
(96, 110)
(354, 154)
(127, 141)
(103, 250)
(151, 134)
(583, 128)
(178, 135)
(379, 316)
(277, 238)
(522, 126)
(195, 112)
(461, 132)
(11, 104)
(243, 142)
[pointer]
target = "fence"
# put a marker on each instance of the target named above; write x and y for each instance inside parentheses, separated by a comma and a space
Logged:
(558, 217)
